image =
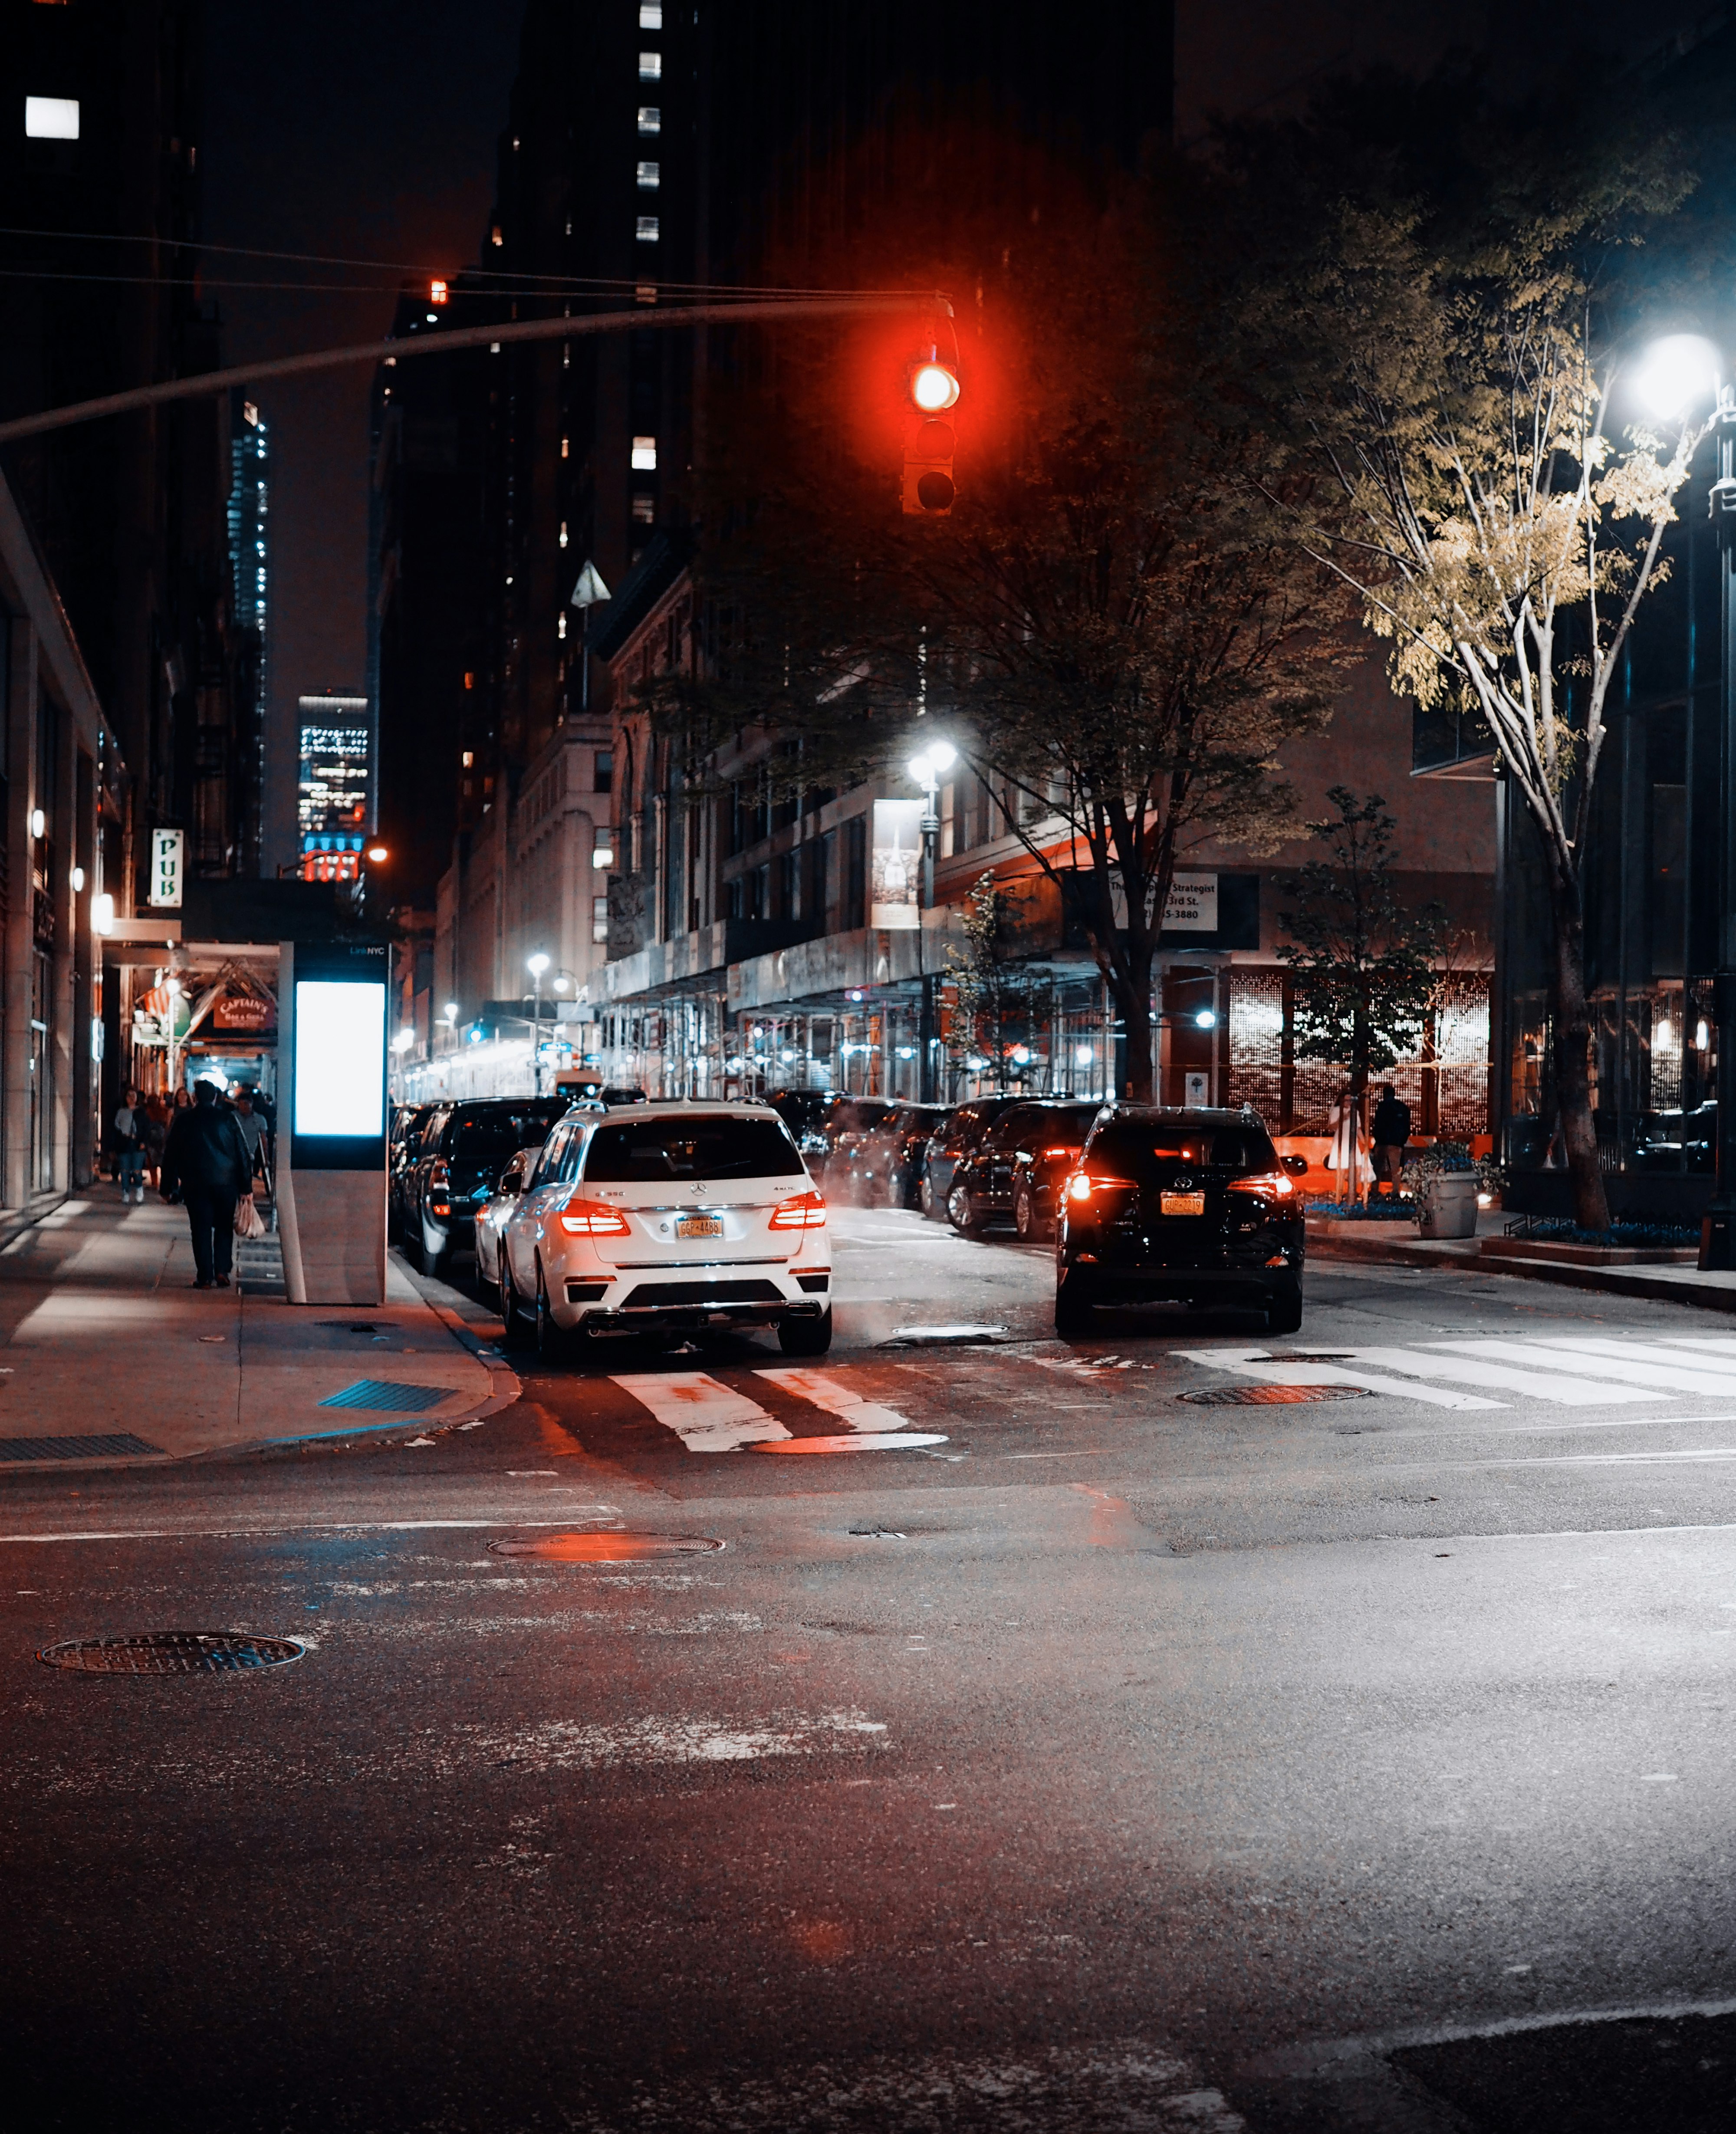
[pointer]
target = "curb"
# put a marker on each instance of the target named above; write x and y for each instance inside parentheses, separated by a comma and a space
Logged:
(1612, 1281)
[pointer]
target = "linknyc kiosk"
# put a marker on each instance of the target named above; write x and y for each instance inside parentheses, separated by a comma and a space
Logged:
(331, 1140)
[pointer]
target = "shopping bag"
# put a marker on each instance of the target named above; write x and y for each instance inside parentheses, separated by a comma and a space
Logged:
(249, 1223)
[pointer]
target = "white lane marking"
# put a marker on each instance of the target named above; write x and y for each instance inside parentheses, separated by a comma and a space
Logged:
(851, 1409)
(705, 1415)
(1550, 1386)
(1720, 1344)
(1643, 1366)
(1574, 1391)
(1246, 1364)
(867, 1440)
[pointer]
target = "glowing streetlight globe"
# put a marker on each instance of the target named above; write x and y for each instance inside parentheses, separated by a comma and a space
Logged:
(537, 964)
(1675, 373)
(934, 387)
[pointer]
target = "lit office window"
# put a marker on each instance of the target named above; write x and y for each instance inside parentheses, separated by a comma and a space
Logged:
(651, 14)
(645, 455)
(644, 510)
(647, 230)
(600, 919)
(650, 66)
(56, 118)
(650, 176)
(650, 119)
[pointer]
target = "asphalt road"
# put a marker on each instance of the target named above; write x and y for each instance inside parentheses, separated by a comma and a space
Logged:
(1112, 1761)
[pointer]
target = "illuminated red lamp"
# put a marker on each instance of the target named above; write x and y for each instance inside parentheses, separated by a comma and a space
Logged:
(934, 387)
(437, 292)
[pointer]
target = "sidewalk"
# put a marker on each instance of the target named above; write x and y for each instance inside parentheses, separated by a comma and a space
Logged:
(107, 1351)
(1666, 1283)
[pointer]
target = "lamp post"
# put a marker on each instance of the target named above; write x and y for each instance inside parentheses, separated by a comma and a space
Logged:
(1677, 372)
(927, 769)
(536, 965)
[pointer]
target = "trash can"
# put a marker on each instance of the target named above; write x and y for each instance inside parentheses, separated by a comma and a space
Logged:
(1449, 1204)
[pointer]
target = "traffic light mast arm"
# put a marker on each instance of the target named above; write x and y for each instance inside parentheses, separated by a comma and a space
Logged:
(641, 318)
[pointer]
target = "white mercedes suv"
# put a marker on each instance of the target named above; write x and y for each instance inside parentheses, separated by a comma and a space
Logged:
(667, 1218)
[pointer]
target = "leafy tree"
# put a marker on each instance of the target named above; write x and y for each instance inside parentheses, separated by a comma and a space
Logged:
(1454, 376)
(989, 999)
(1364, 962)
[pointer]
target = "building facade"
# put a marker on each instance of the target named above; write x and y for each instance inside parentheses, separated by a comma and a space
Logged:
(761, 940)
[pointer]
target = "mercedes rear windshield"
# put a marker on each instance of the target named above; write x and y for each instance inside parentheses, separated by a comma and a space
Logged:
(651, 1151)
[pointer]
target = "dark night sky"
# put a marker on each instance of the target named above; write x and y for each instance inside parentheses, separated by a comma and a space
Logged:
(369, 130)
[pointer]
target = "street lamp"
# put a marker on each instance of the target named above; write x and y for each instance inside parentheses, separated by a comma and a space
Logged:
(927, 769)
(1674, 374)
(536, 965)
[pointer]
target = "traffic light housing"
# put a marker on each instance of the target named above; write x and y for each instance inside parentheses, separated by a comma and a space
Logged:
(929, 489)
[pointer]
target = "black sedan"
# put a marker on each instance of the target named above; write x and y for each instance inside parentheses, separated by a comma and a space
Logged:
(1193, 1206)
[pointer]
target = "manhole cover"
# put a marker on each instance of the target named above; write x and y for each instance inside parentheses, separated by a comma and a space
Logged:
(172, 1652)
(1311, 1356)
(606, 1548)
(861, 1440)
(1270, 1396)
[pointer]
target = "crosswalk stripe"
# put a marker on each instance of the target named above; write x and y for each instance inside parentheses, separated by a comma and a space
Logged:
(851, 1409)
(707, 1416)
(1246, 1366)
(1553, 1386)
(1646, 1366)
(1642, 1382)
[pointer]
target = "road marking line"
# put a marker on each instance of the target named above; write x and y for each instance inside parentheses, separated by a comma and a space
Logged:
(851, 1409)
(1569, 1391)
(1245, 1364)
(1575, 1392)
(1646, 1366)
(705, 1415)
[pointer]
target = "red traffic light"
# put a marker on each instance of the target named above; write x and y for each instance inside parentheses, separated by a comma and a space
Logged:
(934, 387)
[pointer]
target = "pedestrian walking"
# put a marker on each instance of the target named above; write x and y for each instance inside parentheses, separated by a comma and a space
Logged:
(1391, 1125)
(154, 1134)
(207, 1158)
(252, 1133)
(129, 1147)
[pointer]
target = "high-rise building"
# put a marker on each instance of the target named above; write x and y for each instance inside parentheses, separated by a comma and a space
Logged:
(99, 183)
(335, 786)
(250, 522)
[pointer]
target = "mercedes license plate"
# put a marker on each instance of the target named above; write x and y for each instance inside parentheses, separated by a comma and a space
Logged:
(1183, 1204)
(699, 1226)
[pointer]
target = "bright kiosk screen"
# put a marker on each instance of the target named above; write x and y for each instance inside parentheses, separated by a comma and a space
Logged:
(340, 1058)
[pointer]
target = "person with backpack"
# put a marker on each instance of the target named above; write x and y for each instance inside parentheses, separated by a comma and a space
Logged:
(206, 1158)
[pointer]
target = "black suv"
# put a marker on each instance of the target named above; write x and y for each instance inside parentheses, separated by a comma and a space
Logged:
(1193, 1205)
(450, 1168)
(1015, 1172)
(952, 1140)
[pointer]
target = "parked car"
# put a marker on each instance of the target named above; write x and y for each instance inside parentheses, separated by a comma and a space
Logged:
(956, 1135)
(452, 1168)
(407, 1122)
(805, 1112)
(1013, 1173)
(886, 1160)
(490, 1218)
(847, 1124)
(681, 1219)
(1179, 1205)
